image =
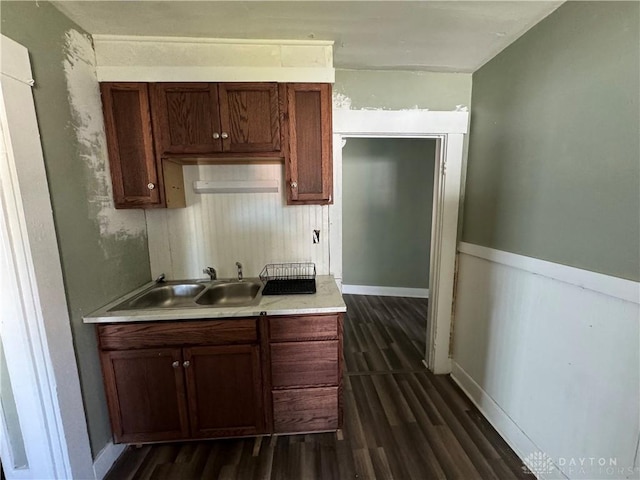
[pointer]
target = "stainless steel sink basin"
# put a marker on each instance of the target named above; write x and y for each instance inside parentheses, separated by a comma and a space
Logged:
(231, 294)
(195, 294)
(164, 295)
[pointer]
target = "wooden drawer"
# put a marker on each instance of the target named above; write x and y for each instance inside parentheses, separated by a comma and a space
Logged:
(305, 410)
(304, 364)
(130, 336)
(311, 327)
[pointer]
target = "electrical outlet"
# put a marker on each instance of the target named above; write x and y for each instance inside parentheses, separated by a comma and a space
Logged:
(316, 236)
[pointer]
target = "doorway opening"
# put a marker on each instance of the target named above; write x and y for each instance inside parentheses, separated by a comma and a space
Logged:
(386, 215)
(447, 130)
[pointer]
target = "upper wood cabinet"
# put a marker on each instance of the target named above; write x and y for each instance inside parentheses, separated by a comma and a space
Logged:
(186, 118)
(154, 128)
(132, 161)
(250, 116)
(309, 166)
(210, 118)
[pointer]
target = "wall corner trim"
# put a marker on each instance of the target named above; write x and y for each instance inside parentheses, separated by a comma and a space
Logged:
(620, 288)
(106, 459)
(15, 61)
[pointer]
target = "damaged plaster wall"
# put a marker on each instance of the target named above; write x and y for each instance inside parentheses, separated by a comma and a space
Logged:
(86, 111)
(104, 252)
(399, 90)
(406, 90)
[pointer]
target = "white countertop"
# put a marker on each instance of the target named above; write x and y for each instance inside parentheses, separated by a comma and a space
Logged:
(327, 299)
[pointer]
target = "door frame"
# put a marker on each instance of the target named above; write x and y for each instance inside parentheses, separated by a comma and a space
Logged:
(449, 129)
(36, 330)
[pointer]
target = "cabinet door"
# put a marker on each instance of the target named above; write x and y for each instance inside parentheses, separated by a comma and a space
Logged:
(224, 390)
(185, 117)
(146, 395)
(309, 165)
(250, 117)
(130, 145)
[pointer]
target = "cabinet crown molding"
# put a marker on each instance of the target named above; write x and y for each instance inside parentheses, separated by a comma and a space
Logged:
(189, 59)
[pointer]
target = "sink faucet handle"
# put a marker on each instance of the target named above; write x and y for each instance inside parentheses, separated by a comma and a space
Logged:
(239, 265)
(160, 278)
(213, 275)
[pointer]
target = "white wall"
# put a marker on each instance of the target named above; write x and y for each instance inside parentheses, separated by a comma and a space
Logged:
(550, 354)
(219, 229)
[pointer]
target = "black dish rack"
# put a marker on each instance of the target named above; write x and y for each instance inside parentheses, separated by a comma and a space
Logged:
(289, 278)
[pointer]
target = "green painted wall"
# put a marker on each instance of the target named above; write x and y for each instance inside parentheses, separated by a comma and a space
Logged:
(397, 90)
(400, 90)
(387, 202)
(554, 156)
(96, 267)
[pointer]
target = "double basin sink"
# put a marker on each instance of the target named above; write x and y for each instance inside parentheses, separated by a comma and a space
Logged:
(196, 294)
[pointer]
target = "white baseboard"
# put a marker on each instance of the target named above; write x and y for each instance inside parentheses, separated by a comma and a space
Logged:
(106, 458)
(386, 291)
(519, 442)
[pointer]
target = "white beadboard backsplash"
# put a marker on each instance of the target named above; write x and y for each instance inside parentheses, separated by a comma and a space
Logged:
(219, 229)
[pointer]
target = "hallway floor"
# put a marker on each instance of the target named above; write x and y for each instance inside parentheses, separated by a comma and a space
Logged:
(400, 421)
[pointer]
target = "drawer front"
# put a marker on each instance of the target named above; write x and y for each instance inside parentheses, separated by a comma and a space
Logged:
(304, 364)
(149, 335)
(305, 410)
(312, 327)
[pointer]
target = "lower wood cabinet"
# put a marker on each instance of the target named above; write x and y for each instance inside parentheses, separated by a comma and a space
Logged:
(306, 373)
(180, 392)
(179, 380)
(224, 390)
(306, 410)
(299, 364)
(145, 394)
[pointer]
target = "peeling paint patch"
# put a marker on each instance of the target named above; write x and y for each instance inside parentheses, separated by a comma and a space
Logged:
(88, 124)
(341, 101)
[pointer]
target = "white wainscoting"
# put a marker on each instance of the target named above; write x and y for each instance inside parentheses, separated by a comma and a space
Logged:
(218, 229)
(551, 357)
(386, 291)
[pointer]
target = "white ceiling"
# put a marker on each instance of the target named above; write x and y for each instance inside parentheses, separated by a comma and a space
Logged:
(457, 36)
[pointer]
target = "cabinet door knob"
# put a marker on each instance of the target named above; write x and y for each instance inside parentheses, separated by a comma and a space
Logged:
(175, 364)
(224, 135)
(186, 363)
(294, 185)
(151, 186)
(216, 135)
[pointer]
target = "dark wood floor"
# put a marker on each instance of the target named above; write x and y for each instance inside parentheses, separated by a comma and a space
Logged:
(400, 421)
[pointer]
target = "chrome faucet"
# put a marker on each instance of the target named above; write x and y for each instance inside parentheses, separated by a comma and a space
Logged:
(239, 265)
(213, 275)
(161, 278)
